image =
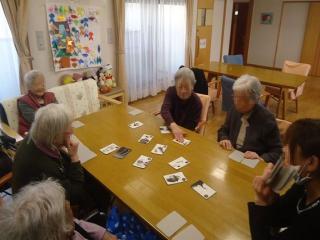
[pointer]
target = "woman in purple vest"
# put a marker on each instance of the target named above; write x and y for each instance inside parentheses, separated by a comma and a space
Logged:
(35, 98)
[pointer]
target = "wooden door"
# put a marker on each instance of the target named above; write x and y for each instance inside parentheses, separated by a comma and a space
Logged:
(311, 45)
(203, 31)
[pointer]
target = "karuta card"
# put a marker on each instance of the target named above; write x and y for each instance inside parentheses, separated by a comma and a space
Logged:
(164, 130)
(189, 233)
(145, 139)
(122, 152)
(109, 149)
(203, 189)
(135, 124)
(142, 161)
(171, 223)
(175, 178)
(77, 124)
(159, 149)
(185, 142)
(135, 112)
(179, 163)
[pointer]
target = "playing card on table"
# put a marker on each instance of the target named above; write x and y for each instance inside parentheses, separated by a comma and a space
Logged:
(77, 124)
(203, 189)
(146, 138)
(189, 233)
(164, 129)
(122, 152)
(135, 124)
(159, 149)
(171, 223)
(179, 163)
(142, 161)
(135, 112)
(185, 142)
(175, 178)
(110, 148)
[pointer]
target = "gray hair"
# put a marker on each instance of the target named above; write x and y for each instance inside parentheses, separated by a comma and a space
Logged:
(37, 212)
(30, 77)
(185, 74)
(249, 84)
(50, 123)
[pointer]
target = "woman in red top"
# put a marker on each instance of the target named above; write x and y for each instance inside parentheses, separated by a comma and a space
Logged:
(35, 98)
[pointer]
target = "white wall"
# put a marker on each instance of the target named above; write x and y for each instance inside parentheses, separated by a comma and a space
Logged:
(38, 22)
(292, 30)
(263, 37)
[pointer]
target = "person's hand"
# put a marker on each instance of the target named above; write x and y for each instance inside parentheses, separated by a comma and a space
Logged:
(72, 148)
(177, 132)
(251, 155)
(264, 194)
(109, 236)
(226, 144)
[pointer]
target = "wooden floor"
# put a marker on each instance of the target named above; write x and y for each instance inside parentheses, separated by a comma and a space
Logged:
(309, 107)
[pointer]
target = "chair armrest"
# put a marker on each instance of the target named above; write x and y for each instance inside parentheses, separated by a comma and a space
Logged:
(5, 179)
(10, 132)
(108, 99)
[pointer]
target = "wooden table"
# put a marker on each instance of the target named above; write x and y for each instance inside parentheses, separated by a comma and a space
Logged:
(266, 76)
(223, 216)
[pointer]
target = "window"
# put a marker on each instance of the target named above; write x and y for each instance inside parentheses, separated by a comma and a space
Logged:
(10, 86)
(155, 44)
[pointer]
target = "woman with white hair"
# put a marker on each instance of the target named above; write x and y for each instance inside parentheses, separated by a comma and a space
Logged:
(40, 212)
(35, 98)
(181, 106)
(249, 126)
(48, 151)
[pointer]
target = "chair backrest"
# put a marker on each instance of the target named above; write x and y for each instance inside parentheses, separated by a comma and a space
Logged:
(205, 101)
(283, 126)
(299, 69)
(80, 97)
(11, 110)
(201, 85)
(296, 68)
(227, 92)
(233, 59)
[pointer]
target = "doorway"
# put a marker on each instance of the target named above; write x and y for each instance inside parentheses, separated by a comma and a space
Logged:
(240, 28)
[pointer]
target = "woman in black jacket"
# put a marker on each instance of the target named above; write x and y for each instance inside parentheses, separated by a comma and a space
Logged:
(296, 214)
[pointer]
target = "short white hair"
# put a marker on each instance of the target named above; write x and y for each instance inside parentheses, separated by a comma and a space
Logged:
(50, 122)
(30, 77)
(250, 85)
(37, 212)
(185, 74)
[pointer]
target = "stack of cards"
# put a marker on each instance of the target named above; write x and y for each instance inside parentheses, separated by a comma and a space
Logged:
(179, 163)
(159, 149)
(135, 124)
(109, 149)
(185, 142)
(239, 157)
(281, 175)
(142, 162)
(145, 139)
(164, 130)
(203, 189)
(175, 178)
(171, 223)
(122, 152)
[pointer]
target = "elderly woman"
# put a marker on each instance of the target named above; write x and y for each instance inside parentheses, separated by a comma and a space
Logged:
(249, 126)
(181, 106)
(35, 98)
(39, 212)
(48, 151)
(297, 212)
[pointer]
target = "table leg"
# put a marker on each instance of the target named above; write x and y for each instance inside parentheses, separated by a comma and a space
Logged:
(284, 102)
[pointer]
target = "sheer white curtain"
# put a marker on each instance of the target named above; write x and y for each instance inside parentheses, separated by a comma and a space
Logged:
(9, 77)
(155, 33)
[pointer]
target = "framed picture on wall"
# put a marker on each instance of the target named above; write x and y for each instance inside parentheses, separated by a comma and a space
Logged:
(266, 18)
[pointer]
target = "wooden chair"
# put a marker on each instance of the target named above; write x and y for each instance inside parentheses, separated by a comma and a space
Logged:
(277, 93)
(283, 126)
(205, 100)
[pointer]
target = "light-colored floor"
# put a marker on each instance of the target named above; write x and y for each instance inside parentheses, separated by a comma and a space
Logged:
(309, 107)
